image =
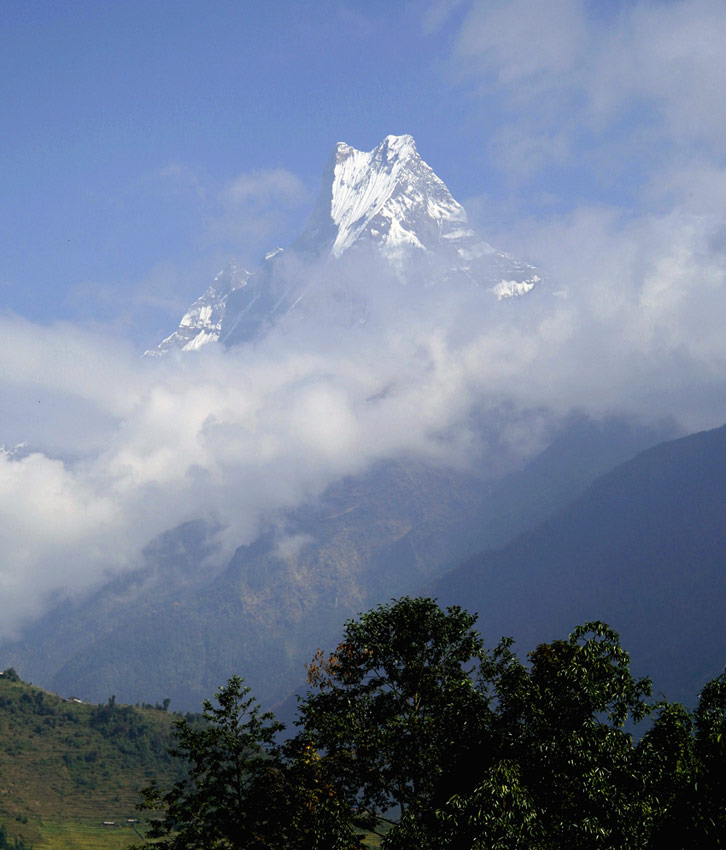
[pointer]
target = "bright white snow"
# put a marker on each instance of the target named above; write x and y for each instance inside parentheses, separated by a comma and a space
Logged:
(388, 199)
(390, 182)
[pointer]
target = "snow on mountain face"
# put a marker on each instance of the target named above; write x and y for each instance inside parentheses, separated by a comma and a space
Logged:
(388, 192)
(388, 200)
(202, 322)
(391, 198)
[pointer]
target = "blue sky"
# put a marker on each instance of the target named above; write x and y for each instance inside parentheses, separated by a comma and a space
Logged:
(125, 124)
(122, 122)
(144, 144)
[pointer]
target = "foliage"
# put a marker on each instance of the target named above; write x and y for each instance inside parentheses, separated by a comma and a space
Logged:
(319, 816)
(466, 746)
(710, 762)
(18, 843)
(11, 675)
(65, 770)
(479, 749)
(395, 703)
(242, 789)
(558, 737)
(499, 814)
(231, 772)
(685, 757)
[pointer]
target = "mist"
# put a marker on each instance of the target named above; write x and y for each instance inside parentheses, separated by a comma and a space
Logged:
(118, 448)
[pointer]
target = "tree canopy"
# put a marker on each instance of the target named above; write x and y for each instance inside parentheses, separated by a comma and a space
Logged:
(391, 703)
(223, 800)
(412, 722)
(242, 788)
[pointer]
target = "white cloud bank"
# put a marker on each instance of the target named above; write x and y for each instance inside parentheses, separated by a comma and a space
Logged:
(236, 435)
(649, 71)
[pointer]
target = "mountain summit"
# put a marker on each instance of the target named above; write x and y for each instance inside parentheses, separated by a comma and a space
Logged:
(377, 195)
(388, 197)
(387, 202)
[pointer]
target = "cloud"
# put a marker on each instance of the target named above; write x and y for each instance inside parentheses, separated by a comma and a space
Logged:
(642, 297)
(614, 114)
(572, 82)
(255, 209)
(694, 184)
(521, 40)
(235, 436)
(608, 120)
(670, 55)
(438, 13)
(122, 449)
(238, 436)
(214, 222)
(178, 178)
(261, 188)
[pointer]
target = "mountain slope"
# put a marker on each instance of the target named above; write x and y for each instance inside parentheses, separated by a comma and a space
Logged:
(264, 615)
(644, 548)
(202, 322)
(66, 767)
(388, 197)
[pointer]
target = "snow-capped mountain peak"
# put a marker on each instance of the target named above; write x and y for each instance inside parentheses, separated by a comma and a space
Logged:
(387, 200)
(388, 197)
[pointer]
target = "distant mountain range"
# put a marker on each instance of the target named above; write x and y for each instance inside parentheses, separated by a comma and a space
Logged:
(643, 548)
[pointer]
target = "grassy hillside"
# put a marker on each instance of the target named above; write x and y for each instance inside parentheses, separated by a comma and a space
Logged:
(67, 767)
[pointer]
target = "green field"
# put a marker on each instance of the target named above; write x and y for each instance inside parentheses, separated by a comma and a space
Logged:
(66, 767)
(81, 834)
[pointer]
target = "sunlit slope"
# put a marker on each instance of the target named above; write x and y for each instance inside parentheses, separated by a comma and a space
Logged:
(67, 767)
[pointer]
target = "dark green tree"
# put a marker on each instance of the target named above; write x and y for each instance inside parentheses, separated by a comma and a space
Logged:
(234, 771)
(577, 761)
(683, 761)
(666, 766)
(411, 719)
(710, 769)
(11, 674)
(242, 789)
(394, 704)
(556, 770)
(320, 818)
(499, 814)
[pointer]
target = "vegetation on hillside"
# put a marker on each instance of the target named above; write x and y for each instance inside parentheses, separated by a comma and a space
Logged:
(411, 729)
(467, 746)
(67, 766)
